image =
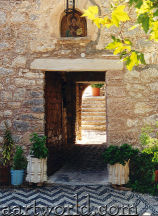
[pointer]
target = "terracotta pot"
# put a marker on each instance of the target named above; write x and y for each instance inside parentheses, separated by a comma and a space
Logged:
(96, 91)
(4, 175)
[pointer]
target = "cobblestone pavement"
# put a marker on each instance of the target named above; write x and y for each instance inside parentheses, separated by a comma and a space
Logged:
(88, 161)
(58, 199)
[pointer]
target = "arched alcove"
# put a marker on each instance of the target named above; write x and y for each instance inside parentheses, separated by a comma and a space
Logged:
(73, 25)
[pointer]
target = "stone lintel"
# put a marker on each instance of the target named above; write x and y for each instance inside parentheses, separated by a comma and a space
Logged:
(76, 64)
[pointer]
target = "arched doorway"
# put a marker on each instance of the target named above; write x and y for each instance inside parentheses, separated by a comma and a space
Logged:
(92, 117)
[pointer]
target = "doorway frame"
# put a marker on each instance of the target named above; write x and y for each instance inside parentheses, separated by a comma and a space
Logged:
(108, 63)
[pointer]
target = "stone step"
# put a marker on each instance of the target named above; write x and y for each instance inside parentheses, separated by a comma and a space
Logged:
(93, 105)
(93, 102)
(93, 114)
(94, 98)
(94, 127)
(95, 118)
(96, 109)
(93, 123)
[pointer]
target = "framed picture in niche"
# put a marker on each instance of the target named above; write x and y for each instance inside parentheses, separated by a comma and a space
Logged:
(73, 25)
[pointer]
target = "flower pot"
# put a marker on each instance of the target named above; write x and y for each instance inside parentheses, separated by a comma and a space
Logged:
(4, 175)
(96, 91)
(17, 177)
(119, 174)
(36, 170)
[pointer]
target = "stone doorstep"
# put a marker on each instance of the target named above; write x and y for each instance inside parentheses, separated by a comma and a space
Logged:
(103, 123)
(93, 105)
(94, 98)
(96, 118)
(93, 102)
(97, 128)
(93, 113)
(96, 109)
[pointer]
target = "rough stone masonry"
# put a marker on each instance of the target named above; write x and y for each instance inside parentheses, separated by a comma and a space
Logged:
(30, 30)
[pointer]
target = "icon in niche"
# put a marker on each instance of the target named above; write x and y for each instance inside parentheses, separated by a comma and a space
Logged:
(73, 25)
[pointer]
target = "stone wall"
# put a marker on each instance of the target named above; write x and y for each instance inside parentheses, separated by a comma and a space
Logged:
(132, 102)
(30, 30)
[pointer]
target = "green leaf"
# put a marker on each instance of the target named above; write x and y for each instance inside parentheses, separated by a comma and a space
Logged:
(144, 20)
(139, 3)
(141, 58)
(156, 13)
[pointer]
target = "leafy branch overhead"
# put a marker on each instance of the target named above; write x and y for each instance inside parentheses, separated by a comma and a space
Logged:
(146, 19)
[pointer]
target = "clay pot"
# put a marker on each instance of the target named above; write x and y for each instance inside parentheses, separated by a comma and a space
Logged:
(4, 175)
(96, 91)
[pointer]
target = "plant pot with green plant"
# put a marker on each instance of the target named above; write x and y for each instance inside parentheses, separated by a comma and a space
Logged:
(37, 160)
(6, 156)
(96, 89)
(118, 158)
(19, 166)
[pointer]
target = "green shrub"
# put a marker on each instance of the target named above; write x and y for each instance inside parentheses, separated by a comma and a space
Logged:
(141, 173)
(98, 85)
(149, 141)
(7, 148)
(38, 148)
(144, 163)
(19, 160)
(119, 154)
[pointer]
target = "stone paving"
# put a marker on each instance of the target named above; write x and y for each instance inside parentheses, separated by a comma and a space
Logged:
(65, 200)
(82, 183)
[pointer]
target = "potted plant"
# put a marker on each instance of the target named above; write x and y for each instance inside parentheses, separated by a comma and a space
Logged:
(19, 165)
(37, 160)
(96, 89)
(6, 156)
(117, 158)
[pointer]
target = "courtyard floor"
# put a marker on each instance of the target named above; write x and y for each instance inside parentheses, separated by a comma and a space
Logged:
(81, 184)
(65, 200)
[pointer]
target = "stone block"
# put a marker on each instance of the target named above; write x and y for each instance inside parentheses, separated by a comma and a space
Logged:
(6, 71)
(149, 75)
(6, 96)
(132, 122)
(8, 113)
(18, 18)
(151, 120)
(19, 94)
(19, 61)
(34, 102)
(33, 116)
(20, 82)
(154, 87)
(116, 91)
(36, 94)
(14, 105)
(2, 124)
(37, 109)
(21, 126)
(76, 64)
(3, 18)
(142, 108)
(20, 46)
(17, 138)
(4, 46)
(132, 76)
